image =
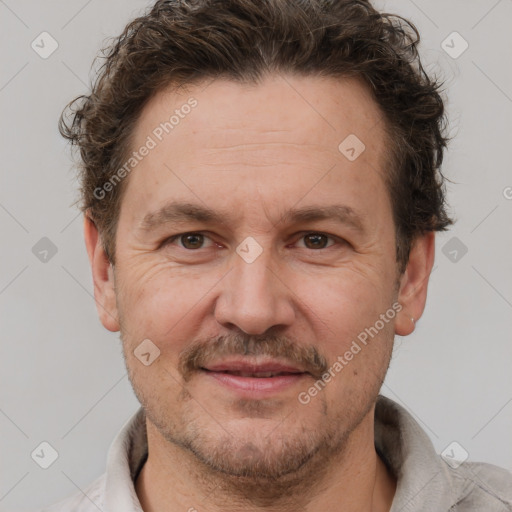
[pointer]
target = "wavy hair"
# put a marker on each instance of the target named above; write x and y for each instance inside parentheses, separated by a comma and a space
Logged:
(188, 41)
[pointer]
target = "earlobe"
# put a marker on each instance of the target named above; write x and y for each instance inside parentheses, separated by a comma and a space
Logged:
(412, 294)
(405, 324)
(103, 276)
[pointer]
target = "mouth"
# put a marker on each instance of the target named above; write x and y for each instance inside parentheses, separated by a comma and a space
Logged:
(254, 375)
(254, 380)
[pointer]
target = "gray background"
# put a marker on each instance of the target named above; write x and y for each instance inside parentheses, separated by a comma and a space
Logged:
(63, 376)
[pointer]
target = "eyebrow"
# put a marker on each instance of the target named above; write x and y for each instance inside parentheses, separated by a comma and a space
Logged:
(179, 212)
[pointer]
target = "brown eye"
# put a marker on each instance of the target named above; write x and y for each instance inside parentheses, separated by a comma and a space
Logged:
(192, 240)
(316, 240)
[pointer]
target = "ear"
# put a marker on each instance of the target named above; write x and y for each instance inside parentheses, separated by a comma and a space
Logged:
(412, 294)
(103, 277)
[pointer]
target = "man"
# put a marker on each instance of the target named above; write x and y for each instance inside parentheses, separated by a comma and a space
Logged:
(261, 187)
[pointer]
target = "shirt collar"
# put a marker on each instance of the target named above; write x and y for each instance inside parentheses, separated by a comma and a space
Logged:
(125, 459)
(424, 480)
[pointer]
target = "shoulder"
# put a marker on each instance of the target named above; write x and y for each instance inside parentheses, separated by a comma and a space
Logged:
(88, 499)
(485, 487)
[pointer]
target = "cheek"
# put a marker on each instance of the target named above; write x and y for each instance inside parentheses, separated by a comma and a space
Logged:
(160, 303)
(342, 304)
(355, 341)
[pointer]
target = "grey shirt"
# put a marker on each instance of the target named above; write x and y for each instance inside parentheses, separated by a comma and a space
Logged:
(426, 482)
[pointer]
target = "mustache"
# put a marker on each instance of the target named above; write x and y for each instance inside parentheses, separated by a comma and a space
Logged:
(200, 353)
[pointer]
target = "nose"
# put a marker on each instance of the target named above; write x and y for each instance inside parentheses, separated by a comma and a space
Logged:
(254, 297)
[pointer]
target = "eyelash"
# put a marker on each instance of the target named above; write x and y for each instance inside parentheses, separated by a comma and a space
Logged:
(338, 240)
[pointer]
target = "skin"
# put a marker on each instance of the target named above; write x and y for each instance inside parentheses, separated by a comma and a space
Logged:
(254, 152)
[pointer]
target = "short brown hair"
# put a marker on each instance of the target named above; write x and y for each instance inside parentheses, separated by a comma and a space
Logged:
(188, 41)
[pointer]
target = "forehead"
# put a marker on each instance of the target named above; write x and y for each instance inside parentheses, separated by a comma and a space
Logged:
(298, 109)
(283, 134)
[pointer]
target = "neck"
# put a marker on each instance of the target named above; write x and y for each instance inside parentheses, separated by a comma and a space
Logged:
(355, 479)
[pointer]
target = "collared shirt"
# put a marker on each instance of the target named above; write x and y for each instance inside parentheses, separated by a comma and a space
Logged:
(426, 482)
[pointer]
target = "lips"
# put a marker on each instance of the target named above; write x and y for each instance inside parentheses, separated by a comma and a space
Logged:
(258, 375)
(254, 379)
(245, 368)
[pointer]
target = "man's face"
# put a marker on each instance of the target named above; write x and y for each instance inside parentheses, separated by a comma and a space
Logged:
(298, 292)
